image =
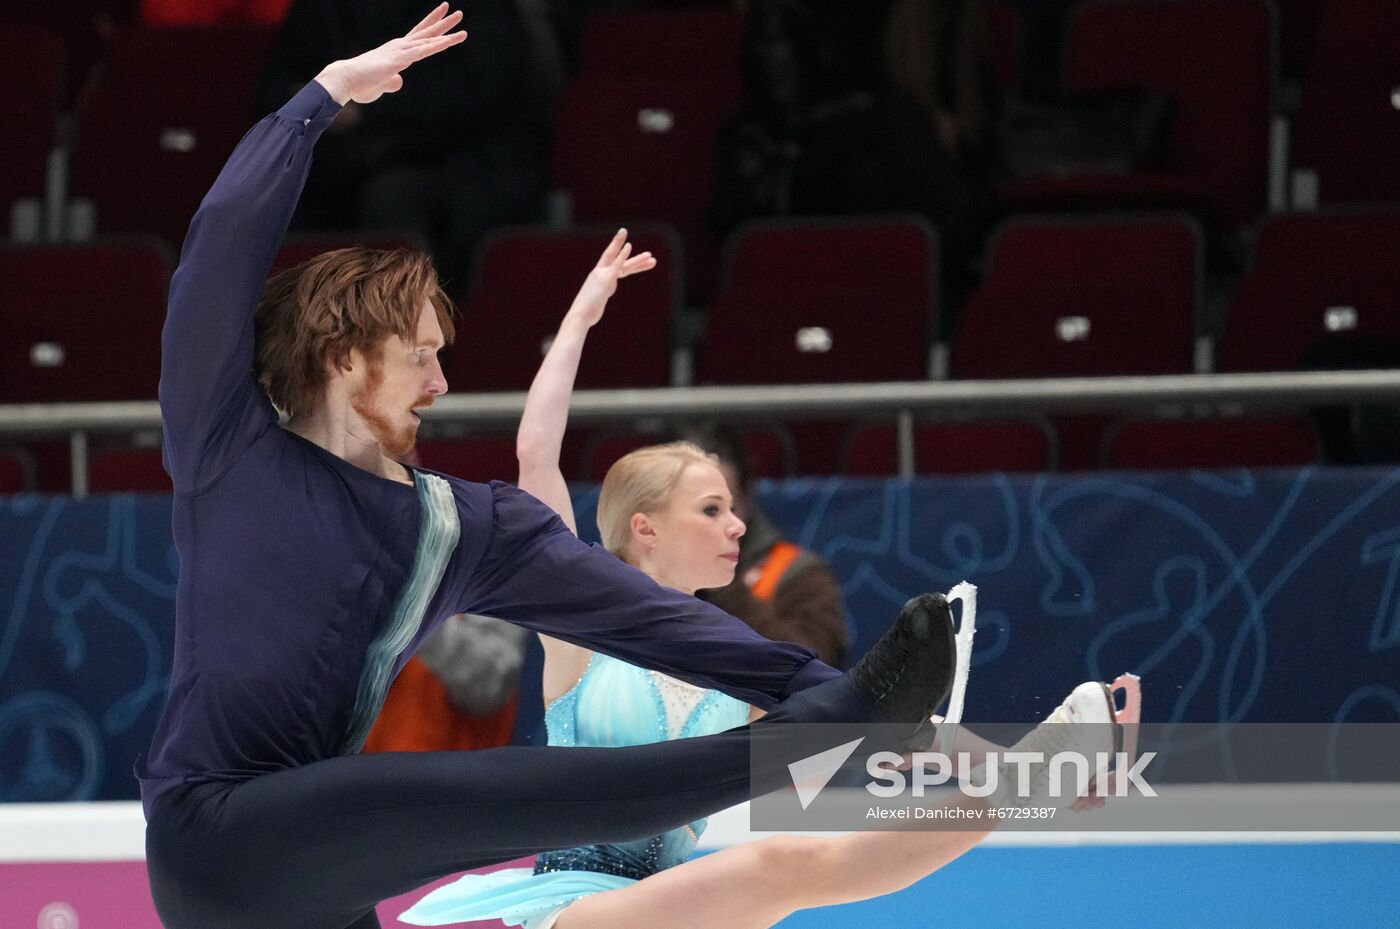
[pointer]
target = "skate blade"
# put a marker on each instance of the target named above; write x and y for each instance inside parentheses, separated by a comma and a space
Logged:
(1126, 719)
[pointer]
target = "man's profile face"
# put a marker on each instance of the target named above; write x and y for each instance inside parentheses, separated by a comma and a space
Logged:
(400, 378)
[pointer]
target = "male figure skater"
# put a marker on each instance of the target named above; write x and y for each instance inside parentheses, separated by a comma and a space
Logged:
(312, 563)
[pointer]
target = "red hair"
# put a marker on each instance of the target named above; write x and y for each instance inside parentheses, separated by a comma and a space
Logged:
(311, 316)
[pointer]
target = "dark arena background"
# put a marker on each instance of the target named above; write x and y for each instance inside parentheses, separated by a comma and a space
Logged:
(1095, 305)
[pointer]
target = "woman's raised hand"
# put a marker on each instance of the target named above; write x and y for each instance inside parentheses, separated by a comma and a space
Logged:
(616, 263)
(365, 78)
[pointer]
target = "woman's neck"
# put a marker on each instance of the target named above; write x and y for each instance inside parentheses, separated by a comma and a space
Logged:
(657, 573)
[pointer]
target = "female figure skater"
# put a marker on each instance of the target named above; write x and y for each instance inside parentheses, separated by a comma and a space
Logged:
(667, 511)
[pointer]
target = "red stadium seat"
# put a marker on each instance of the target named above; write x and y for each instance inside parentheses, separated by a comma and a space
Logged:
(601, 451)
(1083, 298)
(646, 44)
(653, 89)
(1347, 129)
(81, 322)
(953, 448)
(1086, 298)
(628, 151)
(169, 107)
(1213, 60)
(824, 301)
(1212, 443)
(128, 470)
(769, 452)
(1323, 285)
(302, 246)
(472, 458)
(31, 71)
(525, 280)
(16, 471)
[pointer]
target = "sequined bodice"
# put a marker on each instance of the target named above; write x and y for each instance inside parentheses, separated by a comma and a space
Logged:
(616, 704)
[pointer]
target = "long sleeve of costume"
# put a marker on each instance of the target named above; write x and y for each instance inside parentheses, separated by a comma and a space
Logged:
(537, 574)
(210, 401)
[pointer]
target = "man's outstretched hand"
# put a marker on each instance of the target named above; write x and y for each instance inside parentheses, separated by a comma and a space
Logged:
(366, 77)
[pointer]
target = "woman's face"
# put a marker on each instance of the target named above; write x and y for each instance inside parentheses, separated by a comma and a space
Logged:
(695, 544)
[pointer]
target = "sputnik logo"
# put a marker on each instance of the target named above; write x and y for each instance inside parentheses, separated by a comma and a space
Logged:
(814, 772)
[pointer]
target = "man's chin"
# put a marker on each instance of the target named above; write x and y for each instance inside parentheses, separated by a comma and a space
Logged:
(400, 444)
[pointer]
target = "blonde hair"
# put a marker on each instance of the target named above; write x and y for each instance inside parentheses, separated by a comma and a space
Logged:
(642, 482)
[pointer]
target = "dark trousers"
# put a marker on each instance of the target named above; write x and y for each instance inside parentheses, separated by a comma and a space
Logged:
(317, 847)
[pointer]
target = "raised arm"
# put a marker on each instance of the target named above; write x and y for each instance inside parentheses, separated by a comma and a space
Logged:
(546, 415)
(537, 574)
(211, 404)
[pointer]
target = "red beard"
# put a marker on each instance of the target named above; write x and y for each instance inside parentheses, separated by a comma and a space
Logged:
(396, 441)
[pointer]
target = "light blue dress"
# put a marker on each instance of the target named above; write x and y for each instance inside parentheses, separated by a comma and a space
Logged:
(614, 704)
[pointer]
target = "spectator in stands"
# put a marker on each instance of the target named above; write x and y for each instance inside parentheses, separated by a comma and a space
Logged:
(1042, 38)
(458, 692)
(938, 53)
(457, 152)
(784, 591)
(879, 107)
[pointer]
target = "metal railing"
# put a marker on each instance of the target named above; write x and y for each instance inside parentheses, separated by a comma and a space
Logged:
(903, 402)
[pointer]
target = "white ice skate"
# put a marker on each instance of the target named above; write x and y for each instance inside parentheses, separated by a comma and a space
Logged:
(1087, 732)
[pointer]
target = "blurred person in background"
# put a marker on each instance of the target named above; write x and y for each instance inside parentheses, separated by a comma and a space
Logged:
(1042, 39)
(459, 691)
(453, 155)
(876, 107)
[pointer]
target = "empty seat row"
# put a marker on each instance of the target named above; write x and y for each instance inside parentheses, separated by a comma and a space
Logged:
(82, 321)
(865, 450)
(151, 129)
(857, 300)
(1211, 63)
(801, 302)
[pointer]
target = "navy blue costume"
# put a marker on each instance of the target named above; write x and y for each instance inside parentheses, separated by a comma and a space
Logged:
(305, 585)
